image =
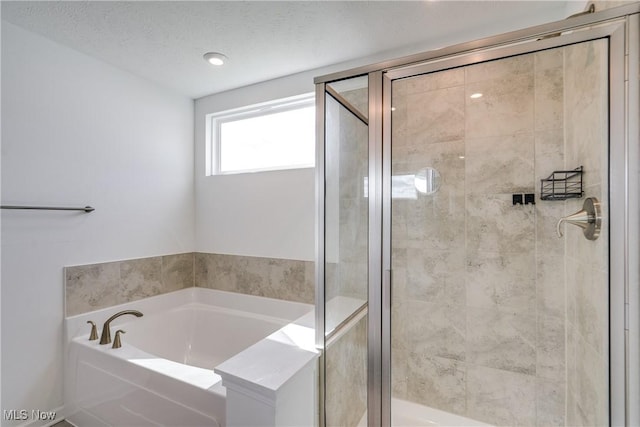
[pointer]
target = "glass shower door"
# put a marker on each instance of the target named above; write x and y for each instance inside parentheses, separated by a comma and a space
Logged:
(494, 317)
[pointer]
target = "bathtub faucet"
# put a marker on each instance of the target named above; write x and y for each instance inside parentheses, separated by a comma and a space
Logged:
(105, 338)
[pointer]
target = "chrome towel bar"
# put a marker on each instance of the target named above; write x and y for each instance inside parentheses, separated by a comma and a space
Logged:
(48, 208)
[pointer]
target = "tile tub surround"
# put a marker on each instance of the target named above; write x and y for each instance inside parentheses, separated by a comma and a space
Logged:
(485, 324)
(285, 279)
(95, 286)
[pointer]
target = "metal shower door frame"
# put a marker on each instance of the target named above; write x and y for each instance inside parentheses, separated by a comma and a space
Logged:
(621, 26)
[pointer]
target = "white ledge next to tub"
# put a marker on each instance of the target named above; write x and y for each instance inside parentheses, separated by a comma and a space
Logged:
(274, 382)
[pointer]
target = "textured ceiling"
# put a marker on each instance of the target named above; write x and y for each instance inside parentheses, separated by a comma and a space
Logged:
(164, 41)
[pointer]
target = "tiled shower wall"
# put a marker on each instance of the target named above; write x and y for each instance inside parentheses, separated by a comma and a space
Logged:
(95, 286)
(479, 309)
(587, 269)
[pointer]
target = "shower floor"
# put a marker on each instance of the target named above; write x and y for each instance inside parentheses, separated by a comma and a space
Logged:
(410, 414)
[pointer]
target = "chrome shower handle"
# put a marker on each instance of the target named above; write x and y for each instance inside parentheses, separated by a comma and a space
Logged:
(589, 219)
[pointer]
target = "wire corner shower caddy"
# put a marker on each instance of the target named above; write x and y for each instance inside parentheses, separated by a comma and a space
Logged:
(562, 185)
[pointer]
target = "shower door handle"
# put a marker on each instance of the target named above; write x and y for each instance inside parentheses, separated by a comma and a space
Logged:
(589, 219)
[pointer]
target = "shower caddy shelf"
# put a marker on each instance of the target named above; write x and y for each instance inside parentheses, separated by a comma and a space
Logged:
(562, 185)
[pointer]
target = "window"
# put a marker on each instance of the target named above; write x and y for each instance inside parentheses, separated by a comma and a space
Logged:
(272, 136)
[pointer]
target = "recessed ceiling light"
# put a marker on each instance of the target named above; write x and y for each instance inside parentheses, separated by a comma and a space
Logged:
(476, 95)
(215, 58)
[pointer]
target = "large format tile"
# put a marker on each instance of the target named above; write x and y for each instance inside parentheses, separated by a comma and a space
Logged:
(140, 278)
(428, 82)
(177, 271)
(435, 116)
(550, 402)
(436, 329)
(592, 390)
(549, 101)
(269, 277)
(435, 276)
(501, 340)
(551, 347)
(500, 397)
(437, 382)
(507, 67)
(346, 377)
(495, 225)
(91, 287)
(505, 282)
(500, 164)
(506, 107)
(550, 286)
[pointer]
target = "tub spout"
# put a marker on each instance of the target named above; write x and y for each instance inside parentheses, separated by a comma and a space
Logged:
(105, 338)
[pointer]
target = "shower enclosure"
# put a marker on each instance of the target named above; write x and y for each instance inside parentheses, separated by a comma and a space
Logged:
(453, 285)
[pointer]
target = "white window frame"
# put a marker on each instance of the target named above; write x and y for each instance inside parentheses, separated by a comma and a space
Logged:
(214, 122)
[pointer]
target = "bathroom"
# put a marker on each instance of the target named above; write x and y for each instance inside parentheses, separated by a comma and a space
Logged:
(134, 149)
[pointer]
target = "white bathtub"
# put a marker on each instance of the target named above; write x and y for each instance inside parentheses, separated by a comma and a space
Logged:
(163, 373)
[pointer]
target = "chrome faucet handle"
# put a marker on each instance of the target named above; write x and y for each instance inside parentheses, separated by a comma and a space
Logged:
(117, 343)
(94, 331)
(589, 219)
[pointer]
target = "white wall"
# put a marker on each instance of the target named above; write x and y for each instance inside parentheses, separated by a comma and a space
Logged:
(265, 214)
(77, 131)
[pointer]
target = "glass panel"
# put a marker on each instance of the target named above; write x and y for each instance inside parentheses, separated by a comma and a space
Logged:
(494, 318)
(355, 92)
(346, 257)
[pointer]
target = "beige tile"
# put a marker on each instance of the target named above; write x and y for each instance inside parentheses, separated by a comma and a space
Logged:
(592, 389)
(549, 103)
(571, 364)
(428, 82)
(501, 340)
(500, 397)
(586, 109)
(91, 287)
(491, 70)
(140, 278)
(435, 116)
(506, 107)
(436, 329)
(495, 225)
(571, 410)
(435, 276)
(548, 244)
(435, 223)
(550, 402)
(504, 282)
(500, 164)
(549, 154)
(550, 286)
(177, 271)
(551, 347)
(269, 277)
(546, 59)
(437, 382)
(346, 381)
(592, 311)
(446, 157)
